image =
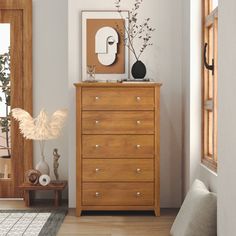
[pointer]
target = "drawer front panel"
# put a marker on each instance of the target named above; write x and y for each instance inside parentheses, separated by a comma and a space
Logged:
(117, 194)
(117, 170)
(118, 99)
(113, 146)
(114, 122)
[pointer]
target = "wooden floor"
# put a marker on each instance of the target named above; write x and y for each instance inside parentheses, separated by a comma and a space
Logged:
(110, 223)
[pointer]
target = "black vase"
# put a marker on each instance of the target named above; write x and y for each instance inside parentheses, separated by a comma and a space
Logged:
(138, 70)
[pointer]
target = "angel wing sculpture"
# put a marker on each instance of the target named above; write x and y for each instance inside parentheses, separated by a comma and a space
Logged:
(40, 128)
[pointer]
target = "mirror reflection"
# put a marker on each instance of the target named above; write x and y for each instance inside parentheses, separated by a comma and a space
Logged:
(5, 106)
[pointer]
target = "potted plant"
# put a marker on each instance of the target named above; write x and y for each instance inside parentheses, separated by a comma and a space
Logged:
(136, 31)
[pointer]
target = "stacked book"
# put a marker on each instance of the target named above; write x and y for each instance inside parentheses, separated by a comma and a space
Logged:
(136, 80)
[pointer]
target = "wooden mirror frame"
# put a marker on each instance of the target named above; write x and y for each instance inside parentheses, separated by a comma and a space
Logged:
(25, 6)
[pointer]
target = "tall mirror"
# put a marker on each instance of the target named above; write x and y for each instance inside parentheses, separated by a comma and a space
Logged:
(5, 102)
(16, 153)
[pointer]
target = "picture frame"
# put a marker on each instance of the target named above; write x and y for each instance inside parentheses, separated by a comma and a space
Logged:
(92, 22)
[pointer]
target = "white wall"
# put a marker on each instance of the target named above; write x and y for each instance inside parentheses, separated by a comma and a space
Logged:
(164, 63)
(227, 119)
(186, 95)
(50, 71)
(50, 47)
(192, 47)
(51, 84)
(224, 183)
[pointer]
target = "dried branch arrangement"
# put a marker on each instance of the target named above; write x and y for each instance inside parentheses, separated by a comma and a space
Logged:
(135, 30)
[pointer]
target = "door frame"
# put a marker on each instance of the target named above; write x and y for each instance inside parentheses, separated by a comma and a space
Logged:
(26, 7)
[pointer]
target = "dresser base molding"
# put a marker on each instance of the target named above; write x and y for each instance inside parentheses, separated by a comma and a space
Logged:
(117, 208)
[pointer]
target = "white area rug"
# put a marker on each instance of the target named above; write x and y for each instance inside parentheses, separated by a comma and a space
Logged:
(28, 224)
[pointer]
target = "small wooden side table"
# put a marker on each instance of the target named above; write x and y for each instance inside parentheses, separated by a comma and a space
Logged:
(54, 186)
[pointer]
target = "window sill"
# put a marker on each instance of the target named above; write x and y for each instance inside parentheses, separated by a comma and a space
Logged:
(209, 163)
(209, 168)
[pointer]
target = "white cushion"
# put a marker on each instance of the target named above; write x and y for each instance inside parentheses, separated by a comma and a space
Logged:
(197, 216)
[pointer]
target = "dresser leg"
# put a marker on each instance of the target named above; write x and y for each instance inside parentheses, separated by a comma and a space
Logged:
(157, 211)
(78, 212)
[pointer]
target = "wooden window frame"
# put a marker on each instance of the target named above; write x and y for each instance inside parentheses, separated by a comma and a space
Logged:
(209, 86)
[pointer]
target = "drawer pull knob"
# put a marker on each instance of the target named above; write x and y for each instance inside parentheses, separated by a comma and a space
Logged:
(138, 145)
(97, 194)
(96, 98)
(97, 122)
(97, 145)
(97, 170)
(138, 98)
(138, 122)
(138, 170)
(138, 194)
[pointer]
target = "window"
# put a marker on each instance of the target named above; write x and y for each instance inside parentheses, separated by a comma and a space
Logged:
(210, 73)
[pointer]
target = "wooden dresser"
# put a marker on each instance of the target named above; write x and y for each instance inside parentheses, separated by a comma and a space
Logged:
(118, 146)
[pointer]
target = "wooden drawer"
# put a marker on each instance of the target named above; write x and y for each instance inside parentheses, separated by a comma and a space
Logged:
(117, 122)
(117, 194)
(118, 99)
(113, 146)
(117, 170)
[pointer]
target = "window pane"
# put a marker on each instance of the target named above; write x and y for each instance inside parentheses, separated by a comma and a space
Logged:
(214, 4)
(210, 57)
(210, 133)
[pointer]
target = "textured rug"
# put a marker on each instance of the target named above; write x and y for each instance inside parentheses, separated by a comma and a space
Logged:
(31, 222)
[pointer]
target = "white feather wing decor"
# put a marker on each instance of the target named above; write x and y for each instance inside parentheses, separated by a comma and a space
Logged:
(42, 127)
(26, 122)
(56, 122)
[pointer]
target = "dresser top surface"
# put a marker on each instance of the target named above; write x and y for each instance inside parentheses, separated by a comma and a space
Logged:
(117, 84)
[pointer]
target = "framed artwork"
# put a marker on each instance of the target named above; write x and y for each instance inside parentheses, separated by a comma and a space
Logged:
(103, 45)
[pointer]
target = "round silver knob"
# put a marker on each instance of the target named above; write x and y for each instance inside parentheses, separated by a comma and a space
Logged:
(138, 170)
(96, 98)
(96, 121)
(138, 194)
(97, 169)
(97, 146)
(138, 145)
(97, 194)
(138, 122)
(138, 98)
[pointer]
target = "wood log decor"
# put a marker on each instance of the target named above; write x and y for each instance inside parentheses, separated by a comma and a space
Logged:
(32, 176)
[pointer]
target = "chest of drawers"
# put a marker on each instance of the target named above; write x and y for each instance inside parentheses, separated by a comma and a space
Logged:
(118, 146)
